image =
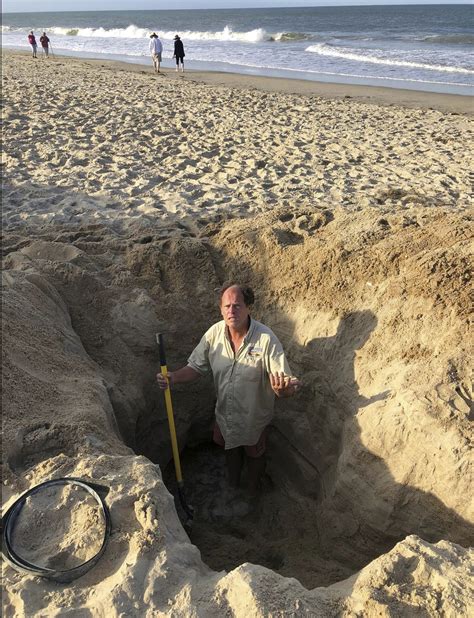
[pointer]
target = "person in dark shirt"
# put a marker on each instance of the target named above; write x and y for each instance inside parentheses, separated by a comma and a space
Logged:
(179, 53)
(44, 40)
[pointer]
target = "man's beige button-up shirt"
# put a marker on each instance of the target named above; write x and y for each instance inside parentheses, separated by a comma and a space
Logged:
(245, 398)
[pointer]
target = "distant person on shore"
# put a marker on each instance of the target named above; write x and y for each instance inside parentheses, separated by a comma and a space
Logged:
(179, 53)
(156, 49)
(44, 40)
(33, 43)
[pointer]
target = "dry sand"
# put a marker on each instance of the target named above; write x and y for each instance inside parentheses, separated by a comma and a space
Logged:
(128, 199)
(89, 142)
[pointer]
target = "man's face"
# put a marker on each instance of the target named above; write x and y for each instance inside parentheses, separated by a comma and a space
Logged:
(233, 309)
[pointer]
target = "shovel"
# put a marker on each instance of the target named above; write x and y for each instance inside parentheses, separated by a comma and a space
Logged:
(188, 509)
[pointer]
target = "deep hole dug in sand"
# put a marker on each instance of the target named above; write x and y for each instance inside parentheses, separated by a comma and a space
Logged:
(337, 490)
(299, 527)
(278, 530)
(366, 454)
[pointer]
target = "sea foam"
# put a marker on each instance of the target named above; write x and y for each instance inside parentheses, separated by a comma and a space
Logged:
(336, 52)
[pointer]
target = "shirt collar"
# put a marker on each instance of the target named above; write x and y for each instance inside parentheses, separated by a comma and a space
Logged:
(250, 330)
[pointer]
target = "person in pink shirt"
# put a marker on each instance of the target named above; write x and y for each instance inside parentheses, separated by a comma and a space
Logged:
(33, 43)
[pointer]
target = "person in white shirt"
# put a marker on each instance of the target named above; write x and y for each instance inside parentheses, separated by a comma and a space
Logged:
(156, 47)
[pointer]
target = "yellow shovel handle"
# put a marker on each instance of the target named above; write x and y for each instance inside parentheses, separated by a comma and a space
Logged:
(169, 410)
(174, 441)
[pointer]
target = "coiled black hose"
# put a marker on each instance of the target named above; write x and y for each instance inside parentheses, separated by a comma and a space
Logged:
(98, 492)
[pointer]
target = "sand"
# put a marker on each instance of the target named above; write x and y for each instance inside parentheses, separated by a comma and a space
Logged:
(137, 152)
(128, 199)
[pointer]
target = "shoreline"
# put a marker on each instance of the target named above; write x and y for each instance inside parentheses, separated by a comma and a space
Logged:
(375, 95)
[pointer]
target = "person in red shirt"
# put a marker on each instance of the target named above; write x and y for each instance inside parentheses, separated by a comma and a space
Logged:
(44, 40)
(33, 43)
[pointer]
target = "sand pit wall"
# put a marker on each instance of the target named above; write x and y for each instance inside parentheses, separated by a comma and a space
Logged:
(371, 311)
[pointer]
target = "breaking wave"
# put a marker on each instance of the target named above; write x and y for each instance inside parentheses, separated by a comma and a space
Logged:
(134, 32)
(130, 32)
(335, 52)
(292, 36)
(227, 34)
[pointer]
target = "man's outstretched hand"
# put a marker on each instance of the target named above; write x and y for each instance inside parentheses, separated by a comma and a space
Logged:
(283, 385)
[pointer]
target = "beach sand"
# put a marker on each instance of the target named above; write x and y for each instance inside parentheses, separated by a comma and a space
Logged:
(128, 198)
(98, 141)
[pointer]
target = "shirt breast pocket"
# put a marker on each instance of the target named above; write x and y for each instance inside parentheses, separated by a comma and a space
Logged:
(252, 369)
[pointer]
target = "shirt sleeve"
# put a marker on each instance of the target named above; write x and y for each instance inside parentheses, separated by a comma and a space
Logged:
(276, 359)
(199, 359)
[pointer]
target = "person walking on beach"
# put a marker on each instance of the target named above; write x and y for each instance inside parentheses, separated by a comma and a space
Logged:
(179, 53)
(249, 368)
(44, 40)
(33, 43)
(156, 49)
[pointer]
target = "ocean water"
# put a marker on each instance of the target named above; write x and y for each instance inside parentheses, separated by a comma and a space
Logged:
(427, 47)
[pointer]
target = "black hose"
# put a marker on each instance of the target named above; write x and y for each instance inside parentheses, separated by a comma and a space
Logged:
(8, 527)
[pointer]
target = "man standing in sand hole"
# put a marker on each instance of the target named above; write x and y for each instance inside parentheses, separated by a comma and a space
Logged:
(249, 368)
(156, 49)
(179, 53)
